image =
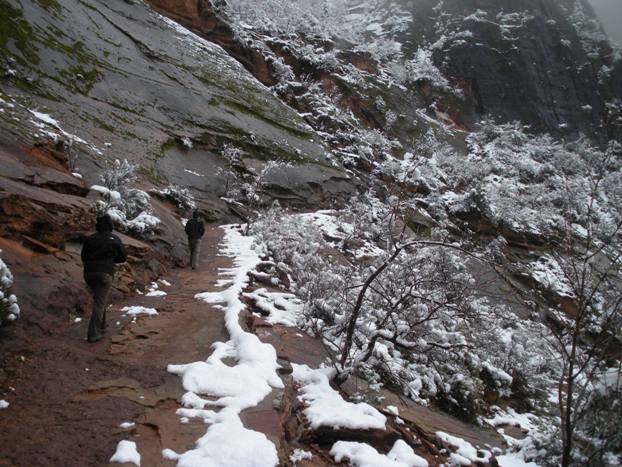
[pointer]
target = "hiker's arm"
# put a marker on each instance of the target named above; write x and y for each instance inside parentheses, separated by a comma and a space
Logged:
(83, 253)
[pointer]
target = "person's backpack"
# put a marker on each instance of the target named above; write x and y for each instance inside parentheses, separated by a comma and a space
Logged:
(194, 229)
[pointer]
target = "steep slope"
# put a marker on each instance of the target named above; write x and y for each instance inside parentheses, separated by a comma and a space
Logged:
(133, 85)
(85, 83)
(538, 62)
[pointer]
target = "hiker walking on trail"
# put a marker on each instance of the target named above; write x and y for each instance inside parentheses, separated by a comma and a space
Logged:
(194, 230)
(100, 252)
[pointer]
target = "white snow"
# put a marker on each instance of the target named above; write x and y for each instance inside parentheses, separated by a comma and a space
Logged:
(153, 291)
(126, 452)
(509, 460)
(194, 173)
(48, 120)
(363, 455)
(465, 453)
(299, 455)
(45, 118)
(126, 425)
(143, 222)
(328, 223)
(156, 293)
(139, 310)
(113, 195)
(3, 404)
(509, 416)
(326, 407)
(550, 274)
(227, 442)
(282, 308)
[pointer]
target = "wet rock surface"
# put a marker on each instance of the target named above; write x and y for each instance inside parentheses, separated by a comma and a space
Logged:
(136, 89)
(514, 53)
(68, 398)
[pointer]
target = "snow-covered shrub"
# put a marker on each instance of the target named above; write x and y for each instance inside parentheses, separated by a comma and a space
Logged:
(422, 68)
(421, 327)
(246, 185)
(348, 20)
(601, 425)
(528, 183)
(182, 197)
(9, 309)
(129, 208)
(118, 174)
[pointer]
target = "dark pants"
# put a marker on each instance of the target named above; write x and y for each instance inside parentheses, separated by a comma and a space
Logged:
(99, 284)
(195, 250)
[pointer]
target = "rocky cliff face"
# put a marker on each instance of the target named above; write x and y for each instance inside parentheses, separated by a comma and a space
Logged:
(130, 83)
(544, 63)
(88, 82)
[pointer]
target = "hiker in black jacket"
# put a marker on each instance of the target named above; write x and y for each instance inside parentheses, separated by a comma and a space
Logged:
(100, 252)
(194, 230)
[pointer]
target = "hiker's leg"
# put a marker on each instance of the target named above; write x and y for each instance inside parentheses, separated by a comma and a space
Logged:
(100, 284)
(195, 254)
(191, 246)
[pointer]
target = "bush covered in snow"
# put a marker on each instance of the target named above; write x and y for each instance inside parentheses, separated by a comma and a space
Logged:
(129, 208)
(9, 309)
(182, 197)
(525, 183)
(422, 326)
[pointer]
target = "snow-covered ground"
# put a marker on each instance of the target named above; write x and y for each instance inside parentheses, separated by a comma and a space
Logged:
(227, 442)
(218, 392)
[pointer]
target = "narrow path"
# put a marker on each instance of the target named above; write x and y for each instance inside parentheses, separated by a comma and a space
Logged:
(68, 398)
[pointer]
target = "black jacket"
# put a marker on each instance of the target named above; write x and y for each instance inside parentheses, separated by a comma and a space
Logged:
(194, 229)
(100, 251)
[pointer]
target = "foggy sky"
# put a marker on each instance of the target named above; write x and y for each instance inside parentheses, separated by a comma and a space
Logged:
(610, 14)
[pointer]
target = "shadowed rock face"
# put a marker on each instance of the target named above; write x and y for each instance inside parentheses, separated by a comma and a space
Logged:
(521, 60)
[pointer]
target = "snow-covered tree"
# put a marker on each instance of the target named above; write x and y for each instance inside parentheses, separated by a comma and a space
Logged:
(9, 309)
(129, 208)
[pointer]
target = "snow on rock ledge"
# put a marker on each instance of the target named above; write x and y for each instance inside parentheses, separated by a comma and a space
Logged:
(363, 455)
(326, 407)
(126, 452)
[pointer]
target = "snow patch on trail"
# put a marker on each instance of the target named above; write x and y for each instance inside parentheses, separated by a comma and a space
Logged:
(363, 455)
(154, 291)
(139, 310)
(282, 308)
(227, 442)
(326, 407)
(126, 452)
(3, 404)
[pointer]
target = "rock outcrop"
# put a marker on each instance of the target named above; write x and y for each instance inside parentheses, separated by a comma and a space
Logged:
(136, 89)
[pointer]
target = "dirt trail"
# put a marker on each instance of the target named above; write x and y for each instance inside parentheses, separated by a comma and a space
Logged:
(68, 398)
